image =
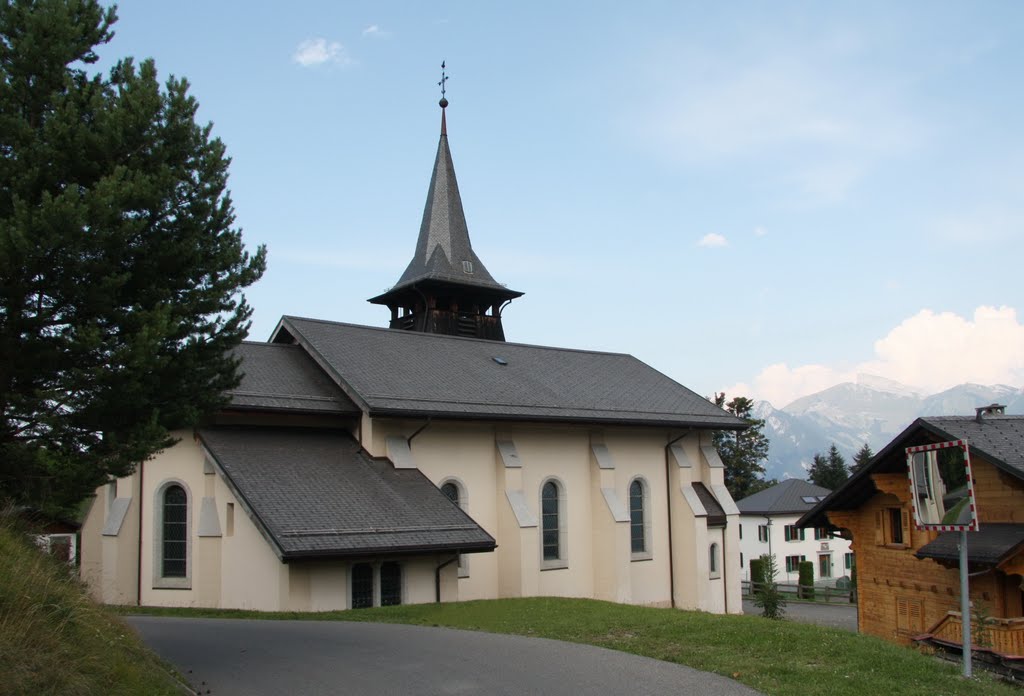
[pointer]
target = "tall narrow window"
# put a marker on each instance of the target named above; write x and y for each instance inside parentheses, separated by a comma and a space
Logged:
(551, 524)
(175, 533)
(451, 491)
(390, 584)
(639, 544)
(713, 561)
(362, 586)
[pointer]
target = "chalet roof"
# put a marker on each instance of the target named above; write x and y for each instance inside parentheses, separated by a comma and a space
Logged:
(443, 250)
(998, 439)
(403, 373)
(991, 545)
(316, 493)
(792, 496)
(282, 377)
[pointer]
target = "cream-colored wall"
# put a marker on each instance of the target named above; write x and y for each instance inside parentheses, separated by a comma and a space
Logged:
(109, 564)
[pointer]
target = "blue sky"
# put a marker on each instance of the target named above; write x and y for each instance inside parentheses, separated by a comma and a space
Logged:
(766, 198)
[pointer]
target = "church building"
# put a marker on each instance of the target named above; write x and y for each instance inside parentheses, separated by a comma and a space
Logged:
(431, 460)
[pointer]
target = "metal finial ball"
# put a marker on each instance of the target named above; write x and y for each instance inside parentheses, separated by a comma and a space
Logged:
(443, 103)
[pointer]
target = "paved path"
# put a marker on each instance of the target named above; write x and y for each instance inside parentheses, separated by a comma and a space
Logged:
(842, 616)
(252, 657)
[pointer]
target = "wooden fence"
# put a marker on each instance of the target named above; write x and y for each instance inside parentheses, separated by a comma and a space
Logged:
(816, 593)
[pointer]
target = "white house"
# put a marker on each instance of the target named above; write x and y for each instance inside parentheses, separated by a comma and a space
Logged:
(768, 526)
(428, 461)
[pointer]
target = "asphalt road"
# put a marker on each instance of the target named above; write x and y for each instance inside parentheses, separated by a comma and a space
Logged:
(842, 616)
(224, 657)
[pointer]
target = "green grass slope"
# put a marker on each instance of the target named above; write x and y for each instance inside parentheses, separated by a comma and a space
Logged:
(55, 640)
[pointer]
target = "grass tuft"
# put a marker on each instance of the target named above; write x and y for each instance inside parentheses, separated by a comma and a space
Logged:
(55, 640)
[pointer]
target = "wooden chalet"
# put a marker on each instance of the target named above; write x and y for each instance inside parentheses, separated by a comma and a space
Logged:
(908, 579)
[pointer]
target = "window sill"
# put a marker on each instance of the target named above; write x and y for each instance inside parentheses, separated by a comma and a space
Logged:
(645, 556)
(554, 565)
(172, 584)
(715, 576)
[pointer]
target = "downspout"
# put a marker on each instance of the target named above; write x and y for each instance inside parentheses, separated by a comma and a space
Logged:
(419, 430)
(725, 566)
(668, 506)
(138, 569)
(437, 577)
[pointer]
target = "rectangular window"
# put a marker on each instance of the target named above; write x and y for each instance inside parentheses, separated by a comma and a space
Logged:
(848, 561)
(825, 565)
(390, 584)
(793, 563)
(741, 559)
(762, 532)
(794, 533)
(821, 533)
(362, 586)
(741, 531)
(229, 520)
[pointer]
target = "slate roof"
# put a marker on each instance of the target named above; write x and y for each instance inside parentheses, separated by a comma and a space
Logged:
(443, 248)
(999, 439)
(716, 514)
(282, 377)
(781, 499)
(411, 374)
(992, 544)
(316, 493)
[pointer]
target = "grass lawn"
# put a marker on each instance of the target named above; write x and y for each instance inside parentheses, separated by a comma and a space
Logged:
(776, 657)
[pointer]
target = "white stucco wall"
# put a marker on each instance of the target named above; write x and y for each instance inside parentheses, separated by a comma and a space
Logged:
(752, 547)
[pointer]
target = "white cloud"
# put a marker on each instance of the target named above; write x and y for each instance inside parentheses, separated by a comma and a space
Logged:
(760, 231)
(374, 31)
(712, 240)
(313, 52)
(931, 351)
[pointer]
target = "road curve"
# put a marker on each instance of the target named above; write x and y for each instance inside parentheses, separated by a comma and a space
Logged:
(228, 657)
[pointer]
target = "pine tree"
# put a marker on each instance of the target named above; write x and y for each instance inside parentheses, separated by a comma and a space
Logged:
(742, 451)
(120, 266)
(829, 472)
(863, 456)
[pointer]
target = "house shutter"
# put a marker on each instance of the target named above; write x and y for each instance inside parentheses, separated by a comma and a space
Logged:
(902, 615)
(906, 527)
(916, 618)
(879, 528)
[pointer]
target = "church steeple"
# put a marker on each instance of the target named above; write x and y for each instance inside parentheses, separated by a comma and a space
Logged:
(446, 288)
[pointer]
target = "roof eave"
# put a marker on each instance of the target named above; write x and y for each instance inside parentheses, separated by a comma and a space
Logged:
(506, 417)
(389, 551)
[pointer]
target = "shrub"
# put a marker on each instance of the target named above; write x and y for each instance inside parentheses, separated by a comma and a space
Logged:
(806, 581)
(768, 598)
(756, 574)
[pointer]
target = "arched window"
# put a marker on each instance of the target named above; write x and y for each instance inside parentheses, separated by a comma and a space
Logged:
(455, 492)
(362, 586)
(552, 514)
(390, 584)
(451, 491)
(171, 530)
(639, 520)
(713, 560)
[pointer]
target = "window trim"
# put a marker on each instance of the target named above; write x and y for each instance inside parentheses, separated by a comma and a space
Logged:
(562, 560)
(793, 533)
(762, 533)
(645, 510)
(161, 582)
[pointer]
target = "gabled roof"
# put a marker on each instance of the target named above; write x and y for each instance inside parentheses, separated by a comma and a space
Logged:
(281, 377)
(998, 439)
(403, 373)
(443, 250)
(792, 496)
(716, 513)
(316, 493)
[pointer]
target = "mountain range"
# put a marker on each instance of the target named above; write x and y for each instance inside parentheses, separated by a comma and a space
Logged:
(871, 410)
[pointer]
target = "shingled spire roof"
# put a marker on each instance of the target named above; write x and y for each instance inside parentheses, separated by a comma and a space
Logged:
(443, 251)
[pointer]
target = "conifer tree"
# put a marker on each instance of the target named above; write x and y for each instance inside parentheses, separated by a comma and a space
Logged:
(120, 265)
(742, 451)
(863, 456)
(829, 472)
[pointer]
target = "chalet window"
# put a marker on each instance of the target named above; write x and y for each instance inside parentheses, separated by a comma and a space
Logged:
(825, 565)
(909, 616)
(762, 532)
(362, 586)
(639, 521)
(892, 527)
(552, 514)
(793, 563)
(390, 584)
(794, 533)
(171, 529)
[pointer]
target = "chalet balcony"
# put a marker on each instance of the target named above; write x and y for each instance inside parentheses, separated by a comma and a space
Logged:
(1000, 645)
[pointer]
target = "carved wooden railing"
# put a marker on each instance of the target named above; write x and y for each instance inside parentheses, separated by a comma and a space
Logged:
(1004, 636)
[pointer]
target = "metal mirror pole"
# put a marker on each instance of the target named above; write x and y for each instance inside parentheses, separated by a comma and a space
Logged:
(965, 605)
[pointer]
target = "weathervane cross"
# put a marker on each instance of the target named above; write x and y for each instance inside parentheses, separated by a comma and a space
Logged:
(444, 78)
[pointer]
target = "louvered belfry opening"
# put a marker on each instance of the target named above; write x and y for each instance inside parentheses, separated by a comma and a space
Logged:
(446, 289)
